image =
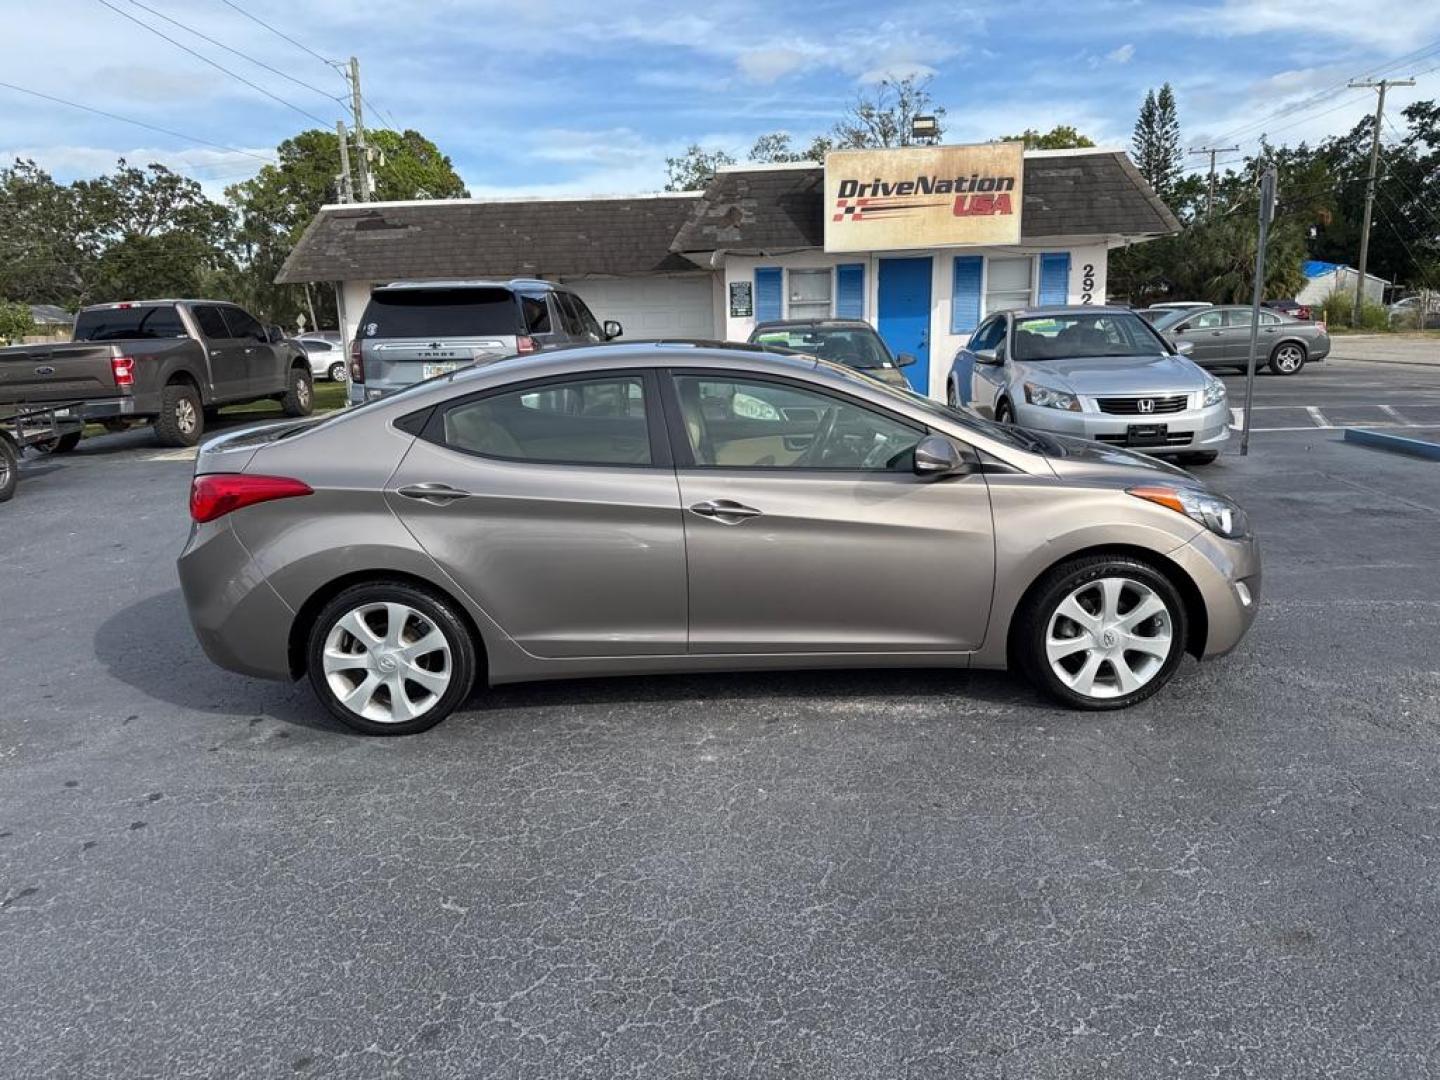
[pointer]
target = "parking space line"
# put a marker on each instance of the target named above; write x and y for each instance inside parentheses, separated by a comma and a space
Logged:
(1389, 410)
(1318, 416)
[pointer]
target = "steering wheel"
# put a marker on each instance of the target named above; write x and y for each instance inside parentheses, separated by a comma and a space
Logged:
(815, 453)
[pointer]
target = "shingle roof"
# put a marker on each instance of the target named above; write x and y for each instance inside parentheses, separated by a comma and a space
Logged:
(774, 210)
(475, 239)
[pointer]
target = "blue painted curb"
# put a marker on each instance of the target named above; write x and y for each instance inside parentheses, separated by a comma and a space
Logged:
(1398, 444)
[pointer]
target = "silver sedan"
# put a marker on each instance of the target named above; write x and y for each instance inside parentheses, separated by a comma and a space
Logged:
(631, 509)
(1092, 372)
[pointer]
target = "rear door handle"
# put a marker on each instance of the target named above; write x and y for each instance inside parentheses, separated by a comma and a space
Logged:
(434, 494)
(725, 511)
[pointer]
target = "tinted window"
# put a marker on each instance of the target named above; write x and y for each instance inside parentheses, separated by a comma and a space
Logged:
(989, 336)
(570, 317)
(1207, 320)
(243, 325)
(537, 313)
(311, 345)
(1063, 334)
(440, 313)
(212, 323)
(587, 320)
(1239, 317)
(598, 421)
(743, 424)
(853, 346)
(113, 324)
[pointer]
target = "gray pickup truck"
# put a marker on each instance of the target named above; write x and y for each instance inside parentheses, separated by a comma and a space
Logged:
(169, 361)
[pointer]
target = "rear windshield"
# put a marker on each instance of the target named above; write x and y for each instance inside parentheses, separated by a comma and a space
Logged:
(440, 313)
(856, 347)
(113, 324)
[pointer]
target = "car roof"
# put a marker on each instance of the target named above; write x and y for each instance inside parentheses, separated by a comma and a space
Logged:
(117, 304)
(1070, 309)
(475, 283)
(839, 324)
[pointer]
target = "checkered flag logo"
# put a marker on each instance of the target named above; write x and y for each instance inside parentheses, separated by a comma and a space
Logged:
(850, 209)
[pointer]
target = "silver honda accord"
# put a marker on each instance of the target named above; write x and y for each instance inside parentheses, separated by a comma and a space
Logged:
(631, 509)
(1099, 373)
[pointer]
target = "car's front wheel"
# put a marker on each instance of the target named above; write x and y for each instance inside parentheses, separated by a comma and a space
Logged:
(1102, 632)
(390, 659)
(1004, 414)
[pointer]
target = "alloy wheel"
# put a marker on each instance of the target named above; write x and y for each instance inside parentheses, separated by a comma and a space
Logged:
(387, 662)
(185, 415)
(302, 391)
(1289, 359)
(1109, 637)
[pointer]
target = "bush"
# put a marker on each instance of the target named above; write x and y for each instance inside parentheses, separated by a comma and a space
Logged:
(15, 321)
(1338, 309)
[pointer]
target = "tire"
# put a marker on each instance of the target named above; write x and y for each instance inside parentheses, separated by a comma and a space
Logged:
(952, 396)
(1287, 358)
(63, 445)
(1085, 583)
(337, 372)
(299, 399)
(182, 420)
(114, 425)
(447, 671)
(1200, 457)
(9, 469)
(1004, 414)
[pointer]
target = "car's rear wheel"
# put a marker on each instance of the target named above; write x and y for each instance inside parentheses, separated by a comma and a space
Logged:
(9, 469)
(181, 421)
(1004, 414)
(1287, 359)
(1102, 632)
(114, 424)
(952, 396)
(62, 444)
(390, 659)
(337, 372)
(299, 399)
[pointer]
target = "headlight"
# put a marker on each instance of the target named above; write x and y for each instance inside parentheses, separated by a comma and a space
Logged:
(1051, 399)
(1215, 512)
(1214, 392)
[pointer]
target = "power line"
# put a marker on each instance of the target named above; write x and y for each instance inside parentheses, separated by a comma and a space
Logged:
(212, 63)
(268, 159)
(280, 33)
(237, 52)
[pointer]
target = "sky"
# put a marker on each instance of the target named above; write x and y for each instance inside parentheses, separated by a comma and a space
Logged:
(551, 97)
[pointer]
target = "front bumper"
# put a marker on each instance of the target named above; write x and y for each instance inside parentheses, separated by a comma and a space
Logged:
(1228, 575)
(1195, 429)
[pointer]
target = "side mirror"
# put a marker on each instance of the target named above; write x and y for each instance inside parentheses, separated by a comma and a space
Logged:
(905, 359)
(612, 329)
(937, 456)
(987, 356)
(1184, 348)
(274, 335)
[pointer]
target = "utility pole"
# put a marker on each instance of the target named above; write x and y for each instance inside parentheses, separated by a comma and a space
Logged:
(362, 152)
(347, 186)
(1212, 151)
(1267, 210)
(1382, 85)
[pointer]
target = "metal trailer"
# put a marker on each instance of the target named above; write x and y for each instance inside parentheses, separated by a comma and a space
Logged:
(41, 425)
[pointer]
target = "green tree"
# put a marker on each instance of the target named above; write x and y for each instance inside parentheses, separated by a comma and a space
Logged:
(695, 168)
(885, 116)
(1156, 142)
(776, 148)
(15, 321)
(1060, 137)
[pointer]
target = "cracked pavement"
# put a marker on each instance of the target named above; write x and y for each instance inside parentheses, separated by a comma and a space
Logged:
(850, 875)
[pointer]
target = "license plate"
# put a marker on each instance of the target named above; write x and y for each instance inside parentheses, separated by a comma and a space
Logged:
(429, 371)
(1146, 434)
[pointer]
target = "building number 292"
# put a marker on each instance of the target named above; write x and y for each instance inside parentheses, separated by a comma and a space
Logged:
(1087, 283)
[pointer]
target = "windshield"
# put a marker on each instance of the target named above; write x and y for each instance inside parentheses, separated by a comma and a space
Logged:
(853, 346)
(440, 313)
(1065, 335)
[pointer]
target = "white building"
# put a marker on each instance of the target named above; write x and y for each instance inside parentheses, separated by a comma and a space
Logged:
(768, 242)
(1324, 278)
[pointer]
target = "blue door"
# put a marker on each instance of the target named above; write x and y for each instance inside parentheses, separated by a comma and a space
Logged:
(904, 314)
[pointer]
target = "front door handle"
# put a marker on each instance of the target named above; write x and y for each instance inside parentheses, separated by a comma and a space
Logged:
(725, 511)
(434, 494)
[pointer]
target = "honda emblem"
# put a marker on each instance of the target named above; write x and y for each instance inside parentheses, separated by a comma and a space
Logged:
(1145, 405)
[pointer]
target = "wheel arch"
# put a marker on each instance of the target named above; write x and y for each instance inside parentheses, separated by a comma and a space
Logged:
(1196, 617)
(1304, 348)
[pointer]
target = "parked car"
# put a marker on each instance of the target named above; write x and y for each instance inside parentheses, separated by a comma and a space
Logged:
(414, 330)
(638, 517)
(326, 352)
(1416, 312)
(170, 361)
(1219, 337)
(1165, 311)
(1293, 308)
(853, 343)
(1100, 373)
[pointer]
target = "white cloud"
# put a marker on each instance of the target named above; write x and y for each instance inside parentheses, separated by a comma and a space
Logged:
(213, 169)
(1122, 55)
(1395, 25)
(897, 72)
(768, 64)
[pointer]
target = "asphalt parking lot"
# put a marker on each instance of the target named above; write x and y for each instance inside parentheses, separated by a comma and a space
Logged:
(858, 874)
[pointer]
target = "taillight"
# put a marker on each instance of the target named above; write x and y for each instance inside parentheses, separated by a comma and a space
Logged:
(525, 344)
(217, 494)
(122, 368)
(357, 365)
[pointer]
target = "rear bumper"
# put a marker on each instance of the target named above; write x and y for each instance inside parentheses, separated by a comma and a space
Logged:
(241, 622)
(1189, 431)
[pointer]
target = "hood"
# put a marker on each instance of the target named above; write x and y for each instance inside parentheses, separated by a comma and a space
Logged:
(892, 375)
(1087, 459)
(1104, 375)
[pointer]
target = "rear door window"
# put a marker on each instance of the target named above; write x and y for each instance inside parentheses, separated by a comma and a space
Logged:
(440, 313)
(212, 323)
(115, 324)
(243, 325)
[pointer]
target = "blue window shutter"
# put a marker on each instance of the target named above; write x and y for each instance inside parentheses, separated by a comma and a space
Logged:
(850, 291)
(769, 293)
(965, 296)
(1054, 277)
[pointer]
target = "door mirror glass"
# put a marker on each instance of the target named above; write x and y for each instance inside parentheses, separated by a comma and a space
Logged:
(275, 334)
(613, 329)
(905, 359)
(936, 455)
(1184, 348)
(987, 356)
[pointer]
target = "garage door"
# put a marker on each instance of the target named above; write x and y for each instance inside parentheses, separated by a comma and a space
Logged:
(652, 307)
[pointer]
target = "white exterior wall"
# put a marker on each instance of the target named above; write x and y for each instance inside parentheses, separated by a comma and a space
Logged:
(1318, 289)
(943, 344)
